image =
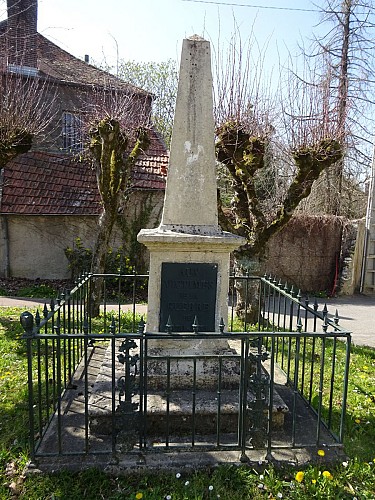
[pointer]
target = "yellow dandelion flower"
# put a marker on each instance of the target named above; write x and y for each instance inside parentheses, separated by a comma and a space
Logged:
(139, 495)
(321, 453)
(313, 481)
(327, 474)
(299, 476)
(357, 421)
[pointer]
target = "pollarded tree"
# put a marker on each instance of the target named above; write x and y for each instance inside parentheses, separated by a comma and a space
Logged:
(27, 108)
(118, 123)
(247, 121)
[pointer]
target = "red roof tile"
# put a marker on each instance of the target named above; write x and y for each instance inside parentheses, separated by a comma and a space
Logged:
(56, 63)
(45, 183)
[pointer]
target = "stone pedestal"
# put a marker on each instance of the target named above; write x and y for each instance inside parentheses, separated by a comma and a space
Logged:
(189, 253)
(170, 247)
(190, 250)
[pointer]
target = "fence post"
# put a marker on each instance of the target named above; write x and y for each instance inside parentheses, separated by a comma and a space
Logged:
(345, 389)
(27, 322)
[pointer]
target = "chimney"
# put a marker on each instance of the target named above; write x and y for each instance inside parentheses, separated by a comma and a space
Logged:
(22, 34)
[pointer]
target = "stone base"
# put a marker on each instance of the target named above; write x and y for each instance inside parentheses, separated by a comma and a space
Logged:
(74, 456)
(177, 410)
(179, 419)
(205, 418)
(190, 248)
(181, 370)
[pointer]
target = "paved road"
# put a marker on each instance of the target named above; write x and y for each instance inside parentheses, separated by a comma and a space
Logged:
(356, 312)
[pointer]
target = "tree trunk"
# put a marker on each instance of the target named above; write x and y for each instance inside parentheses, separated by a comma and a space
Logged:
(347, 6)
(247, 291)
(105, 226)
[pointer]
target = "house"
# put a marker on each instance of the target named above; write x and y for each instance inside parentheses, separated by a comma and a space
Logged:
(49, 196)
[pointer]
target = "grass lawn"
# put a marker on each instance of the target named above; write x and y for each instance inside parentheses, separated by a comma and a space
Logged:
(354, 478)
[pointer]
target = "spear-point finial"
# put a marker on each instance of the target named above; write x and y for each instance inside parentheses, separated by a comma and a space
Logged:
(195, 325)
(37, 318)
(336, 318)
(141, 326)
(325, 310)
(221, 325)
(169, 325)
(112, 327)
(299, 325)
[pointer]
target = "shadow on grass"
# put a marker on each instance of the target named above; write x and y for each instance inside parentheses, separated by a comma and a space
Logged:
(363, 351)
(14, 422)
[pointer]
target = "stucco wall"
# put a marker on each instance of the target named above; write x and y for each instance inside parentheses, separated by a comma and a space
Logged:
(36, 243)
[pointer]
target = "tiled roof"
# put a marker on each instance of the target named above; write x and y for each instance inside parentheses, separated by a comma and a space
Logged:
(42, 183)
(59, 64)
(45, 183)
(151, 172)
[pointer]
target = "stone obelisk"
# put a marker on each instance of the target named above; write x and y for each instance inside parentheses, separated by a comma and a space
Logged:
(189, 253)
(190, 204)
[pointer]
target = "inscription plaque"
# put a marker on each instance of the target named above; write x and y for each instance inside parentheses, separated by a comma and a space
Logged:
(188, 290)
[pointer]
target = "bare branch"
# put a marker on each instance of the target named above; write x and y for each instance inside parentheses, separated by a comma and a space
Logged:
(27, 108)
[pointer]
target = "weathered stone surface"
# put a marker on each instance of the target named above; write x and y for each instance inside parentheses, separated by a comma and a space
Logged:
(189, 231)
(73, 438)
(176, 409)
(190, 198)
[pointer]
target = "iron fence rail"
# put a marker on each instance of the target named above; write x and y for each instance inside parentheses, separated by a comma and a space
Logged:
(286, 367)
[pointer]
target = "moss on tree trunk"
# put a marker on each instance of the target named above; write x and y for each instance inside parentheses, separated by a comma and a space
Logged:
(114, 165)
(244, 155)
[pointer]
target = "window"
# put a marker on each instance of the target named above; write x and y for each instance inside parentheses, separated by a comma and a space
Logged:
(22, 70)
(72, 131)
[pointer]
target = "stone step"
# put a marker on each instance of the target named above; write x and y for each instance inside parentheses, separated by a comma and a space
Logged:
(178, 408)
(208, 405)
(178, 414)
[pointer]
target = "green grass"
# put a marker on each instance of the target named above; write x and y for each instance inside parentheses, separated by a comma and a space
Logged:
(360, 421)
(49, 289)
(354, 478)
(13, 381)
(37, 291)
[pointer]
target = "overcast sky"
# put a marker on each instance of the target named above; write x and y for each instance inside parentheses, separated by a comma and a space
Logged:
(153, 30)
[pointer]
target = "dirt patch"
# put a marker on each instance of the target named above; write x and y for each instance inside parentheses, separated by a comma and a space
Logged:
(22, 287)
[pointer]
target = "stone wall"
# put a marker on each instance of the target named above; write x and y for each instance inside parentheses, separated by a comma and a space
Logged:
(33, 246)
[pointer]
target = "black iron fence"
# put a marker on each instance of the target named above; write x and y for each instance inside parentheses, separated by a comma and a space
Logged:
(105, 386)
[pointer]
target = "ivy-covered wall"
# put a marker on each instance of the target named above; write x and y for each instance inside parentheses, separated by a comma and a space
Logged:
(311, 253)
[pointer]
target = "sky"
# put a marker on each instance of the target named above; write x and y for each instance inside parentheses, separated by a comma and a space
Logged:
(153, 30)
